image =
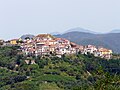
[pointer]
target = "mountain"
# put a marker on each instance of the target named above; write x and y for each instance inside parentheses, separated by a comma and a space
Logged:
(55, 33)
(110, 40)
(115, 31)
(23, 37)
(78, 29)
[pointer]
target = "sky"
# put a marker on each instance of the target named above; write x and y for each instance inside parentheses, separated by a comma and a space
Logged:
(18, 17)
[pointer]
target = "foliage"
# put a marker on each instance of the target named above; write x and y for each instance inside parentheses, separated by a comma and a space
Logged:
(71, 72)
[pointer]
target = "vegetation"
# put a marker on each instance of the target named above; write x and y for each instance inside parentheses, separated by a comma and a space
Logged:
(73, 72)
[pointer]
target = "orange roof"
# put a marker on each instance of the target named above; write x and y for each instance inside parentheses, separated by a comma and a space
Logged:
(61, 39)
(104, 50)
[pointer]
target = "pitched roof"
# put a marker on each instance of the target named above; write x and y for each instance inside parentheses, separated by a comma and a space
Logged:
(104, 50)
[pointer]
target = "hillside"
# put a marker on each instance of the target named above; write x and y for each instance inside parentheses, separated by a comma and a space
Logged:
(115, 31)
(73, 72)
(110, 40)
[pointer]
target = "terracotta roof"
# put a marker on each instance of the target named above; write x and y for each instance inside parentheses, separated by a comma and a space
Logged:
(52, 45)
(104, 50)
(57, 38)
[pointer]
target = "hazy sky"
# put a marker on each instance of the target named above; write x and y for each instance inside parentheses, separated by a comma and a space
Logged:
(19, 17)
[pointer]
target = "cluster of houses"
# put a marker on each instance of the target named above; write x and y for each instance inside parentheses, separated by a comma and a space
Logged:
(46, 44)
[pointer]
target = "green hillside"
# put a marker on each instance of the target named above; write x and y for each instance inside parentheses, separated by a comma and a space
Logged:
(73, 72)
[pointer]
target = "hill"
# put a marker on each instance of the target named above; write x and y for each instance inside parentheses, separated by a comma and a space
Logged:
(73, 72)
(115, 31)
(23, 37)
(110, 40)
(78, 29)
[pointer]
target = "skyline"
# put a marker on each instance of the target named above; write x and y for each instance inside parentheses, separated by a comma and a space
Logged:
(34, 17)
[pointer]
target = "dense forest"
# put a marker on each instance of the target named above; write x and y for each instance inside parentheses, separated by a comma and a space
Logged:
(73, 72)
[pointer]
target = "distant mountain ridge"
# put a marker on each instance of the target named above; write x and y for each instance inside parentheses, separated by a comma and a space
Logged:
(109, 40)
(115, 31)
(78, 29)
(23, 37)
(55, 33)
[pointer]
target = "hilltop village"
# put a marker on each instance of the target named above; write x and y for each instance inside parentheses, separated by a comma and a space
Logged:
(46, 44)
